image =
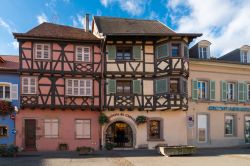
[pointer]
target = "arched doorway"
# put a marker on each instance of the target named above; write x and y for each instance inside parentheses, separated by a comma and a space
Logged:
(120, 134)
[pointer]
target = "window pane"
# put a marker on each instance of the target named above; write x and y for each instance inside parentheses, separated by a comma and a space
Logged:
(1, 92)
(161, 86)
(162, 51)
(175, 50)
(174, 85)
(119, 56)
(3, 131)
(7, 92)
(154, 129)
(229, 125)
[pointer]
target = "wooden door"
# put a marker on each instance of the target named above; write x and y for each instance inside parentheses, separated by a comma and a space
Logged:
(30, 134)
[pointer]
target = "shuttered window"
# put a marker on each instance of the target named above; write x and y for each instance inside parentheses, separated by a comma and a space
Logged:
(111, 50)
(242, 92)
(161, 86)
(51, 128)
(42, 51)
(111, 86)
(83, 129)
(248, 92)
(194, 89)
(162, 51)
(79, 87)
(137, 86)
(137, 52)
(83, 53)
(212, 89)
(29, 85)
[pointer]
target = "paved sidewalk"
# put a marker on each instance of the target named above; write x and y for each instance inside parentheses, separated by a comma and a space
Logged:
(204, 157)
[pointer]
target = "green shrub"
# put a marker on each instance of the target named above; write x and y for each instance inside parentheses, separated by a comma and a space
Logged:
(141, 119)
(8, 151)
(103, 119)
(84, 148)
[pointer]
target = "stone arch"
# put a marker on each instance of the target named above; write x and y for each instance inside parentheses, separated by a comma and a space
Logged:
(131, 123)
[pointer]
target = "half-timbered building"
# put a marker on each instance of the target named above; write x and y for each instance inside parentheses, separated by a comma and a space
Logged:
(146, 69)
(60, 72)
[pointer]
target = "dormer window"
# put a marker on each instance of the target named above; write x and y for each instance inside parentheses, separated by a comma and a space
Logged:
(204, 52)
(244, 57)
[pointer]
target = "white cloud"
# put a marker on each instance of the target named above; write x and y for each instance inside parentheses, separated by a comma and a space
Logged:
(42, 18)
(225, 23)
(133, 7)
(5, 25)
(15, 45)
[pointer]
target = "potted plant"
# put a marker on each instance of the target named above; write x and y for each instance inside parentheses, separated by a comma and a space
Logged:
(141, 119)
(63, 146)
(103, 119)
(82, 150)
(6, 107)
(109, 146)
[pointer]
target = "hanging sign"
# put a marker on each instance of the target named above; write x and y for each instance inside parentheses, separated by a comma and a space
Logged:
(12, 116)
(13, 131)
(122, 114)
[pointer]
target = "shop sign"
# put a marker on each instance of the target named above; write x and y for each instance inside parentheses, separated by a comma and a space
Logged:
(223, 108)
(122, 114)
(190, 121)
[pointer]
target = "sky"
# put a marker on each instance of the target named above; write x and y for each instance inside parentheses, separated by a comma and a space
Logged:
(225, 23)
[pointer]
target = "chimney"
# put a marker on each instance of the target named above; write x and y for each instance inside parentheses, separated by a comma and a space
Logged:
(86, 23)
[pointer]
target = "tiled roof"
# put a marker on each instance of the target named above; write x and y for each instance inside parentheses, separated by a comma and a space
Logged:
(10, 62)
(56, 31)
(112, 25)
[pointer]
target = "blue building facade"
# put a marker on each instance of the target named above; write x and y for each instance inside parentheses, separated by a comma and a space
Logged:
(9, 91)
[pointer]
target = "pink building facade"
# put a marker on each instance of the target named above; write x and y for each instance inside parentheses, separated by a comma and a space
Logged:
(60, 77)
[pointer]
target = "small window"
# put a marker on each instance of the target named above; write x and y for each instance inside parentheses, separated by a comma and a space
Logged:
(174, 85)
(202, 89)
(83, 129)
(185, 88)
(42, 51)
(244, 57)
(79, 87)
(230, 91)
(176, 50)
(51, 128)
(3, 131)
(202, 128)
(29, 85)
(123, 87)
(154, 129)
(82, 53)
(161, 86)
(124, 53)
(229, 125)
(5, 92)
(162, 51)
(204, 52)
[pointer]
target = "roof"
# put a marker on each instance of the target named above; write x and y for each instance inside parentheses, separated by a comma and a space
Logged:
(56, 31)
(219, 61)
(9, 63)
(137, 27)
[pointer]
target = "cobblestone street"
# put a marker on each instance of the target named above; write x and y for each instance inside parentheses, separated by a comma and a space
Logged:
(205, 157)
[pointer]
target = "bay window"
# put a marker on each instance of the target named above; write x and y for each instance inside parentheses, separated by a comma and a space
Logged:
(175, 49)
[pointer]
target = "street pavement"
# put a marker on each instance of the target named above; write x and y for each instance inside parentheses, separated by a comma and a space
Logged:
(204, 157)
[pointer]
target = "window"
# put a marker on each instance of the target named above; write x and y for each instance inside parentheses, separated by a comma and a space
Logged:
(230, 91)
(42, 51)
(79, 87)
(186, 52)
(174, 85)
(154, 129)
(3, 131)
(202, 90)
(248, 92)
(160, 86)
(5, 92)
(29, 85)
(244, 57)
(229, 124)
(123, 87)
(202, 128)
(82, 53)
(203, 52)
(175, 50)
(162, 51)
(83, 128)
(51, 128)
(124, 53)
(185, 88)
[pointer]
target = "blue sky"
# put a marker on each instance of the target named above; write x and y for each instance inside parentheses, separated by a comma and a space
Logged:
(225, 23)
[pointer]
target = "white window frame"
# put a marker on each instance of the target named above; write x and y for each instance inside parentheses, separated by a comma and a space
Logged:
(83, 54)
(42, 51)
(200, 90)
(201, 52)
(51, 122)
(230, 117)
(200, 126)
(228, 91)
(248, 89)
(4, 84)
(79, 87)
(29, 86)
(83, 135)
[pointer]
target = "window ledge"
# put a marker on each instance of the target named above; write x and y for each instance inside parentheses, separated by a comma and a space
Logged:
(151, 139)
